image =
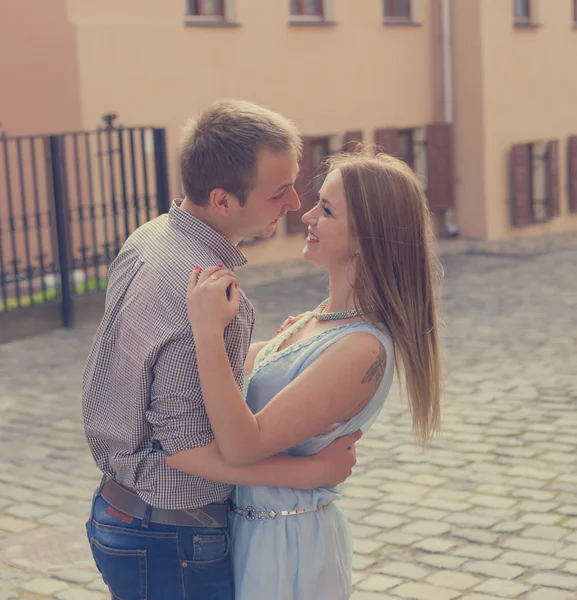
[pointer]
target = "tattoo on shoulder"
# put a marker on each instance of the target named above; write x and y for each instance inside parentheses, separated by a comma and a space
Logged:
(377, 369)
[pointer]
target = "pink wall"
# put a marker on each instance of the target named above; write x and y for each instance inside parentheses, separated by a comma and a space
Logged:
(38, 68)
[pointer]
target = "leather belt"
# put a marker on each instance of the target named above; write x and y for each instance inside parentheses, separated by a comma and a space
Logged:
(128, 502)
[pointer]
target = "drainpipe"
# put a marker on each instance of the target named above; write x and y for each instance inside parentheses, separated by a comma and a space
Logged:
(448, 215)
(446, 55)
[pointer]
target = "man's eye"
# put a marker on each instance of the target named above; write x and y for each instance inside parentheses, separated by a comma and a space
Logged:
(279, 196)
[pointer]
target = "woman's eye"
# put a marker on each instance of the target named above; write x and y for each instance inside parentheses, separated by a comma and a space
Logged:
(326, 211)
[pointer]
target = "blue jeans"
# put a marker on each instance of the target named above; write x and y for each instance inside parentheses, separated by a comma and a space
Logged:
(159, 562)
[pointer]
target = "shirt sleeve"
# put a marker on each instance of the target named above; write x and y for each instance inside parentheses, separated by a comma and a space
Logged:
(176, 410)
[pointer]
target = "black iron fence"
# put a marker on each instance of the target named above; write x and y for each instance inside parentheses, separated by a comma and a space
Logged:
(67, 204)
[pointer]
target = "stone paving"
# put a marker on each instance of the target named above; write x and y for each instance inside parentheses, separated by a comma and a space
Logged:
(488, 512)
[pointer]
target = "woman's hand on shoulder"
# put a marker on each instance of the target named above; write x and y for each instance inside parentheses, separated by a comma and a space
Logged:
(212, 299)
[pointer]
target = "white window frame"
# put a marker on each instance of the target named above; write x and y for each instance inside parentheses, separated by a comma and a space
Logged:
(228, 15)
(327, 10)
(534, 15)
(416, 16)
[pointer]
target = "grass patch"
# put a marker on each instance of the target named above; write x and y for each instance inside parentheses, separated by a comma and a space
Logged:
(92, 284)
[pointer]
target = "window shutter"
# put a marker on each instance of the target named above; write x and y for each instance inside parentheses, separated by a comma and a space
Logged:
(440, 190)
(351, 139)
(572, 172)
(387, 140)
(521, 213)
(553, 178)
(304, 188)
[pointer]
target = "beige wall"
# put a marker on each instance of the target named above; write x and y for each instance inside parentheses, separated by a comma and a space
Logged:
(530, 94)
(39, 94)
(358, 74)
(38, 69)
(328, 79)
(137, 58)
(469, 118)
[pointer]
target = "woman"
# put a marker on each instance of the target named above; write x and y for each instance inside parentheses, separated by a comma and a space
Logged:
(327, 374)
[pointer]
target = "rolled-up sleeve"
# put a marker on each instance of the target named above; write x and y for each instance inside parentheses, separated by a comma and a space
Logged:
(176, 411)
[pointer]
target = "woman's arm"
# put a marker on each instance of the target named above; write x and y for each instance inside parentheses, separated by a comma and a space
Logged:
(333, 389)
(339, 383)
(328, 468)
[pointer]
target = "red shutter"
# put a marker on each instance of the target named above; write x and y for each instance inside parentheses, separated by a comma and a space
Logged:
(440, 189)
(304, 187)
(521, 210)
(553, 178)
(572, 172)
(351, 139)
(387, 140)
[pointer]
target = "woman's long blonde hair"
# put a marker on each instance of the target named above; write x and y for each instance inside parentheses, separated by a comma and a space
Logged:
(397, 271)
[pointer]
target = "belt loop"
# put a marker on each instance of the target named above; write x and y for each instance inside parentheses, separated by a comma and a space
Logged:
(146, 517)
(102, 482)
(96, 495)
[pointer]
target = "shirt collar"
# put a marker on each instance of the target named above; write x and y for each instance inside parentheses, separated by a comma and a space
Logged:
(227, 252)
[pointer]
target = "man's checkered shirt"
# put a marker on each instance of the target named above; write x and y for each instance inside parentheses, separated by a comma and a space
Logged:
(140, 387)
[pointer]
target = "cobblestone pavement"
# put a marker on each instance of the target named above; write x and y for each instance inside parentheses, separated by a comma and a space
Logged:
(488, 512)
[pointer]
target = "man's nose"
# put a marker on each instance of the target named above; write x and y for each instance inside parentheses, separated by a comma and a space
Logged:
(294, 202)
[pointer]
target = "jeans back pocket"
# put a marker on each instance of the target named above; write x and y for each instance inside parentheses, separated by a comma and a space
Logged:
(123, 571)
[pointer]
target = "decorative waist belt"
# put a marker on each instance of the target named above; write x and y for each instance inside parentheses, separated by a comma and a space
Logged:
(250, 513)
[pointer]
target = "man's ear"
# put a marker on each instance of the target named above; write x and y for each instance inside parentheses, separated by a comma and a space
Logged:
(222, 201)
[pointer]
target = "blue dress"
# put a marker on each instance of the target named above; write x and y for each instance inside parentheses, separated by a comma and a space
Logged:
(306, 556)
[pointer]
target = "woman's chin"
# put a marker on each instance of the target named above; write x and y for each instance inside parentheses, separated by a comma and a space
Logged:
(309, 256)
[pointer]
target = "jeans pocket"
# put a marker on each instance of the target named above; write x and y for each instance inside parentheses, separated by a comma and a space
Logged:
(124, 571)
(210, 548)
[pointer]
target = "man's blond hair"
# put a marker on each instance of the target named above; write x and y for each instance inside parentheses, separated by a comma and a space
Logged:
(219, 148)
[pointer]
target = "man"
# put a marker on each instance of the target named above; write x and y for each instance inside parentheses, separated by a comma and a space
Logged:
(156, 531)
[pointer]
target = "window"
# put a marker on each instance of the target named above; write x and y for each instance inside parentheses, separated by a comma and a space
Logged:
(405, 145)
(534, 180)
(398, 9)
(213, 9)
(522, 9)
(320, 149)
(307, 8)
(572, 172)
(351, 140)
(308, 182)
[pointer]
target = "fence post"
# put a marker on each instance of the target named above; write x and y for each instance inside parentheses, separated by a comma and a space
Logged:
(161, 170)
(59, 209)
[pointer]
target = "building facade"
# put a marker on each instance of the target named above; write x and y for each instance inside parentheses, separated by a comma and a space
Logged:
(478, 96)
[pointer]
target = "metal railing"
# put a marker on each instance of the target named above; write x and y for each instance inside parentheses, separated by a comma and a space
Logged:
(67, 204)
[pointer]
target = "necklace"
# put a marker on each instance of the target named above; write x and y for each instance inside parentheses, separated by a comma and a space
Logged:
(320, 314)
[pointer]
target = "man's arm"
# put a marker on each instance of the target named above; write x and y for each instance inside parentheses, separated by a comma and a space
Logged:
(328, 468)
